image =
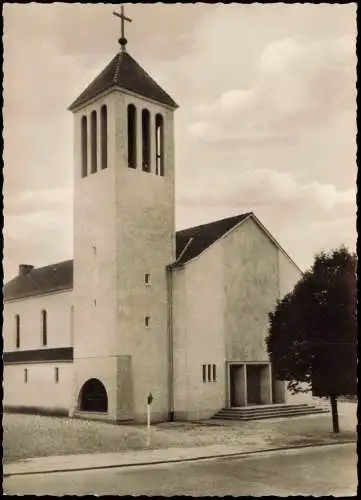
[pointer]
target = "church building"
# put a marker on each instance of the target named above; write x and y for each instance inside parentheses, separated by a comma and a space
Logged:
(142, 308)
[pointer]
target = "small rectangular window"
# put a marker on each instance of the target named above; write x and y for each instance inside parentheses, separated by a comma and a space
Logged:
(209, 367)
(147, 279)
(214, 379)
(147, 321)
(56, 375)
(25, 375)
(204, 373)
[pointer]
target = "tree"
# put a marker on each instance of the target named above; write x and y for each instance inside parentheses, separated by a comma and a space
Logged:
(312, 332)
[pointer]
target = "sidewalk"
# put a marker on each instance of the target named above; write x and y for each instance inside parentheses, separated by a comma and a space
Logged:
(66, 463)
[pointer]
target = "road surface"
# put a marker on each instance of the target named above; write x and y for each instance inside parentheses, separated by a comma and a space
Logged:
(318, 471)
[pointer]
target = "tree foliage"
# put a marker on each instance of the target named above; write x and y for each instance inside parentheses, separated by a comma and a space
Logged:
(312, 333)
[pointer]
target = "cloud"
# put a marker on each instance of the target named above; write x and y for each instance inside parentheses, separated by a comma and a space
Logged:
(299, 85)
(279, 192)
(30, 201)
(37, 228)
(266, 123)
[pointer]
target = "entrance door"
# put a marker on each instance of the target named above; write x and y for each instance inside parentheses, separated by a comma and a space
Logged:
(236, 385)
(254, 373)
(93, 396)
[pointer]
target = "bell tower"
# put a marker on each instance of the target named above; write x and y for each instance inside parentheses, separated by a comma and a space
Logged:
(124, 237)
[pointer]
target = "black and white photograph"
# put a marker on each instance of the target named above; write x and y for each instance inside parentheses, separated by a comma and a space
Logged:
(179, 260)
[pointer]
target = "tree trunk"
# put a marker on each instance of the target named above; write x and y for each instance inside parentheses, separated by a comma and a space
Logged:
(335, 423)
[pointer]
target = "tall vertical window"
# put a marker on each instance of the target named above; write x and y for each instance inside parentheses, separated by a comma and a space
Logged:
(146, 140)
(132, 136)
(93, 141)
(25, 375)
(104, 136)
(56, 374)
(214, 375)
(44, 328)
(159, 145)
(72, 323)
(17, 331)
(84, 147)
(209, 373)
(204, 373)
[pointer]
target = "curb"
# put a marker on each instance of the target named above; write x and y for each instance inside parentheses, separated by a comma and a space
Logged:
(179, 460)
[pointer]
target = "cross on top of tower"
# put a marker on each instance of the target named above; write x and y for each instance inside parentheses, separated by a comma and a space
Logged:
(122, 40)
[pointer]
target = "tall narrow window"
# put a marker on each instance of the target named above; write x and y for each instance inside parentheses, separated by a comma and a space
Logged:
(71, 324)
(159, 145)
(56, 374)
(17, 331)
(146, 140)
(214, 373)
(132, 136)
(84, 147)
(93, 140)
(44, 328)
(104, 136)
(209, 367)
(204, 373)
(25, 375)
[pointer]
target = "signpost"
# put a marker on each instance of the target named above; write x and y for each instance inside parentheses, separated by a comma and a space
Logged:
(149, 402)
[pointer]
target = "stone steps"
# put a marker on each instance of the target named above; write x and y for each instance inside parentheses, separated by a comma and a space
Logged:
(269, 411)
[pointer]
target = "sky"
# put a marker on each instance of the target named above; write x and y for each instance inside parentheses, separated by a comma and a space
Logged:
(267, 117)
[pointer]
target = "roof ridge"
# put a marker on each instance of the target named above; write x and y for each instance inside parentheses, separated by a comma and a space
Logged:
(53, 265)
(116, 72)
(147, 74)
(214, 222)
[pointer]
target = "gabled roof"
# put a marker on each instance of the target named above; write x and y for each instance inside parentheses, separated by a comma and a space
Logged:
(198, 238)
(53, 278)
(190, 243)
(124, 72)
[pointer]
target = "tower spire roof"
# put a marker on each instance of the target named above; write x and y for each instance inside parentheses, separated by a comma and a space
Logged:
(125, 73)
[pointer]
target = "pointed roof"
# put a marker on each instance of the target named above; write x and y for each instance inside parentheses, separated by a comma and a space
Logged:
(124, 72)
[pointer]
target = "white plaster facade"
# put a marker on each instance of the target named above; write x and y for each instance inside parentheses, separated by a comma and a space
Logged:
(221, 303)
(213, 310)
(59, 308)
(131, 233)
(42, 389)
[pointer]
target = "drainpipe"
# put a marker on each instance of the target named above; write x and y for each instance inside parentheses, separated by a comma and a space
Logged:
(170, 342)
(169, 270)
